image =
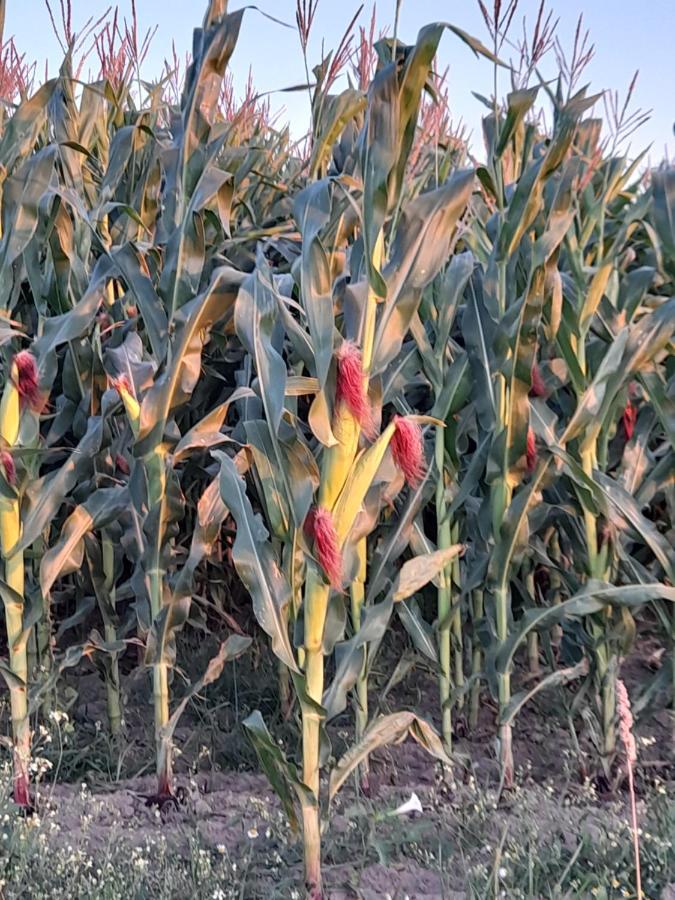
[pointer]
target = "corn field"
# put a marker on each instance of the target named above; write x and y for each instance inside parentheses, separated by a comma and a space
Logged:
(409, 407)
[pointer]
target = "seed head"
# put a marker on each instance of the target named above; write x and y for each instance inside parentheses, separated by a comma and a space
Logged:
(122, 464)
(320, 528)
(407, 447)
(625, 721)
(7, 463)
(351, 388)
(27, 379)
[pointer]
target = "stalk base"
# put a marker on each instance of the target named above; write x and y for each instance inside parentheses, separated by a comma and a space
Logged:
(506, 755)
(311, 833)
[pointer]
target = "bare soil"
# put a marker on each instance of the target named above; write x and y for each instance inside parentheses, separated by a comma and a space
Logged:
(459, 840)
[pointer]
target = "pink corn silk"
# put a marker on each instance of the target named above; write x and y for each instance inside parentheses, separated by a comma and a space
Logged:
(531, 450)
(27, 378)
(319, 526)
(7, 463)
(407, 447)
(629, 418)
(350, 388)
(537, 386)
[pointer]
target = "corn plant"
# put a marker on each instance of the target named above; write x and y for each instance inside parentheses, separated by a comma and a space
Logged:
(321, 499)
(20, 389)
(393, 382)
(569, 312)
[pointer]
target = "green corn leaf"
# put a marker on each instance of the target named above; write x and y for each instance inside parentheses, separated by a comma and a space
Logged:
(349, 657)
(255, 318)
(663, 187)
(230, 649)
(553, 679)
(312, 211)
(518, 104)
(192, 324)
(593, 597)
(47, 494)
(282, 774)
(104, 506)
(417, 253)
(134, 270)
(255, 563)
(419, 630)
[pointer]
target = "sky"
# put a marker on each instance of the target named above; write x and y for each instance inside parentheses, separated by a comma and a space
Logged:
(627, 36)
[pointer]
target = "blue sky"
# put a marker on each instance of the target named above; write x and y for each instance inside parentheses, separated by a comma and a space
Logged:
(627, 36)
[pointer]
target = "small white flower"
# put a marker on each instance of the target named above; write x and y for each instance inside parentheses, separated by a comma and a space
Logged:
(503, 872)
(410, 806)
(253, 833)
(221, 849)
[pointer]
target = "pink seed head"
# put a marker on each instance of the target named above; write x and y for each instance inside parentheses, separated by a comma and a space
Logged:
(407, 447)
(7, 463)
(351, 388)
(27, 379)
(319, 526)
(625, 721)
(122, 464)
(537, 386)
(531, 450)
(629, 418)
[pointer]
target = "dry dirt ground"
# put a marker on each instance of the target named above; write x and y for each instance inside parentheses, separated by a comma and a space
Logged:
(561, 832)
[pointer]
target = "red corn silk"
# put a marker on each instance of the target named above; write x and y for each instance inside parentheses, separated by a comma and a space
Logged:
(122, 464)
(537, 386)
(106, 323)
(629, 418)
(351, 389)
(27, 379)
(123, 383)
(531, 450)
(320, 528)
(407, 447)
(7, 463)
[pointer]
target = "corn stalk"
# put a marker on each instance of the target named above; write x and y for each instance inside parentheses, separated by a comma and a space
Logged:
(14, 601)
